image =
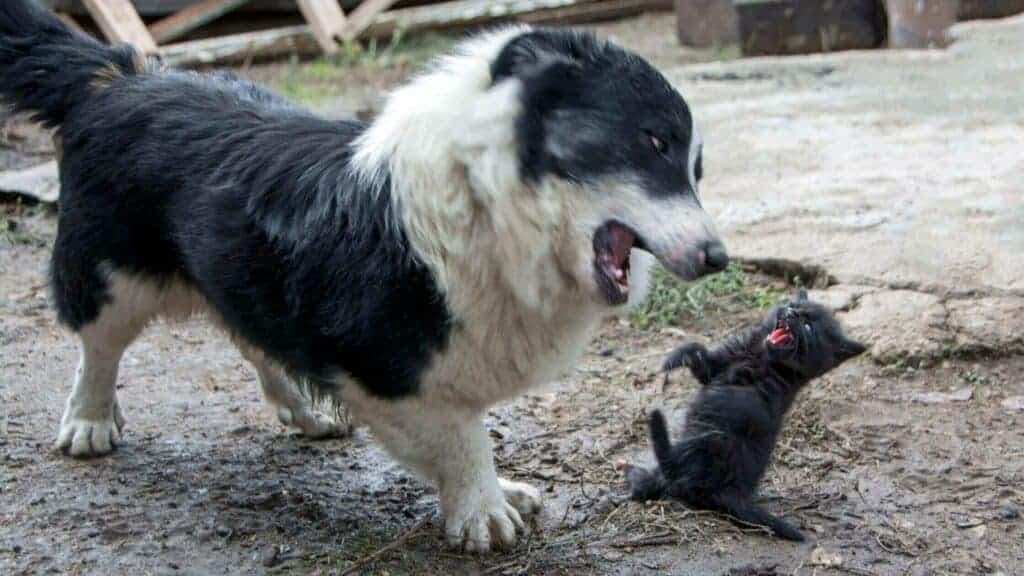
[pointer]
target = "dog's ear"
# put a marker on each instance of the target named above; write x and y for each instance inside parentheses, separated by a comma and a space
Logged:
(547, 85)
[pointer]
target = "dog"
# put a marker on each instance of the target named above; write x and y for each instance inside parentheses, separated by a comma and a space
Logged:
(451, 254)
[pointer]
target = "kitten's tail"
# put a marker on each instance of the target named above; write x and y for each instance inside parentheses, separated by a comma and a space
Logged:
(748, 512)
(660, 440)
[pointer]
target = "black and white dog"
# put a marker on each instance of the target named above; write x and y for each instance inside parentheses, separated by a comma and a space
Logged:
(451, 254)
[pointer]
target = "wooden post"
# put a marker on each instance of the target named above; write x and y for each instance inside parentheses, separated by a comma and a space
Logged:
(327, 21)
(187, 20)
(362, 17)
(121, 23)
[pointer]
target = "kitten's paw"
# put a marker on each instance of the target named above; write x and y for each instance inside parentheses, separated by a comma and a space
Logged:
(689, 355)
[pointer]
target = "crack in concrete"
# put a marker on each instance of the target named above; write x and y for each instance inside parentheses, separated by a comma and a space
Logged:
(943, 330)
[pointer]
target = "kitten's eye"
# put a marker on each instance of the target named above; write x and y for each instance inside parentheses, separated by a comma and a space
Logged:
(659, 145)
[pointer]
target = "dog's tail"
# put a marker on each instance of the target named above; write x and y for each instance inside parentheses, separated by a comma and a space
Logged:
(47, 69)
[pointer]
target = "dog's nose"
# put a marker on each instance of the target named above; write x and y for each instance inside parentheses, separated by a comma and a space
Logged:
(714, 257)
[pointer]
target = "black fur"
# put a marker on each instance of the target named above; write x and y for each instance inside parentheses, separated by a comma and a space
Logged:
(216, 183)
(46, 68)
(733, 423)
(577, 85)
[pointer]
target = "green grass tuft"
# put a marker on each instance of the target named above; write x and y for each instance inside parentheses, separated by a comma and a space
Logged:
(671, 301)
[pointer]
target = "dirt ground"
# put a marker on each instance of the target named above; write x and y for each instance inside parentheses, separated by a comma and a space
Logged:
(909, 461)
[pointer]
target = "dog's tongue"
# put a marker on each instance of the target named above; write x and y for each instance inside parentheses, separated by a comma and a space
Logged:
(779, 336)
(621, 242)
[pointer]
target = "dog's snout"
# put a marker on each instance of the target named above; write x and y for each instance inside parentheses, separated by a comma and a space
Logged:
(713, 257)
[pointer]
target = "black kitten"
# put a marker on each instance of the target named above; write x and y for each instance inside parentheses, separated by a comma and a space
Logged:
(750, 381)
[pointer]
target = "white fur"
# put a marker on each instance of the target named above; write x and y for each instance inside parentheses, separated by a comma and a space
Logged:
(696, 144)
(450, 447)
(293, 408)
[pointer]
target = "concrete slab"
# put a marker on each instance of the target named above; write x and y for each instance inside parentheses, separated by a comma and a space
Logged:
(894, 166)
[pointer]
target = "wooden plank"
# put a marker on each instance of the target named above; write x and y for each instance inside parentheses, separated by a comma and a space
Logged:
(191, 18)
(327, 21)
(593, 11)
(121, 23)
(362, 17)
(164, 8)
(301, 40)
(240, 47)
(70, 21)
(478, 12)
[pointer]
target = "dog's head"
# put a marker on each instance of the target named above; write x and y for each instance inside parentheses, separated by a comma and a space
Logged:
(604, 120)
(541, 147)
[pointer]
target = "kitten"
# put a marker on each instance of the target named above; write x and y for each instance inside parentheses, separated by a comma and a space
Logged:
(749, 383)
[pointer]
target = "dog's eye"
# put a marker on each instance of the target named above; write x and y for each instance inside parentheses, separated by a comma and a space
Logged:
(659, 145)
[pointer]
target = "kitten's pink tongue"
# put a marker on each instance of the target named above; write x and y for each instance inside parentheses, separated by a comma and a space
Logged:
(779, 336)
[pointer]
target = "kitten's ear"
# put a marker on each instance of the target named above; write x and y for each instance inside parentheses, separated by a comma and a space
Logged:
(801, 296)
(850, 348)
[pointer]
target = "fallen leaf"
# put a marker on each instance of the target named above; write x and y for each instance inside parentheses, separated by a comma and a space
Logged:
(1014, 403)
(826, 558)
(961, 395)
(969, 523)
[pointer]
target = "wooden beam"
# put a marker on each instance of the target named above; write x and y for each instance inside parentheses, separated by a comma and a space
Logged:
(363, 16)
(479, 12)
(593, 11)
(301, 40)
(70, 21)
(326, 20)
(240, 47)
(121, 23)
(191, 18)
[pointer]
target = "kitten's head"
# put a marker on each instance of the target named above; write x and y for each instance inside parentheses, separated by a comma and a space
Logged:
(805, 337)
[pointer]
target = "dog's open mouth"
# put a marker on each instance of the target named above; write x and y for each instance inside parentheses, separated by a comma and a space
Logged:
(612, 245)
(780, 336)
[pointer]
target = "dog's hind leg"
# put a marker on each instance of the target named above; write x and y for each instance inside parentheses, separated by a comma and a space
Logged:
(294, 409)
(92, 421)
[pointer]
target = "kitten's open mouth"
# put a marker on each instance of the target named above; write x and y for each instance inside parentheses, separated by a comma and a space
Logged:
(781, 336)
(613, 243)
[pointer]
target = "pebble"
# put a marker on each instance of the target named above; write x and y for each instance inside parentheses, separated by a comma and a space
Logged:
(270, 556)
(1009, 512)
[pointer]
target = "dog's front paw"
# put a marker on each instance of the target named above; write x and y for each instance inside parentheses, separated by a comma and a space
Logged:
(85, 438)
(493, 520)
